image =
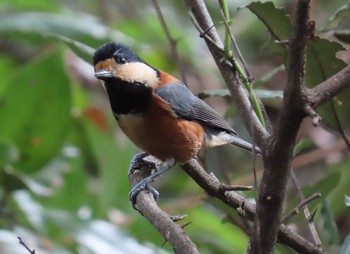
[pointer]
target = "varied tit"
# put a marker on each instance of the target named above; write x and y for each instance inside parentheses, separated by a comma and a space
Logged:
(158, 112)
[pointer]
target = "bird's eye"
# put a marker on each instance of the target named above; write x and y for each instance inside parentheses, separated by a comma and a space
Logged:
(120, 59)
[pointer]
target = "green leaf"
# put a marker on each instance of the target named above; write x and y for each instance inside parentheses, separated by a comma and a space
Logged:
(8, 152)
(275, 19)
(321, 61)
(35, 25)
(343, 35)
(267, 76)
(329, 224)
(35, 110)
(345, 249)
(83, 51)
(324, 186)
(336, 19)
(15, 180)
(303, 143)
(268, 97)
(321, 64)
(9, 181)
(71, 170)
(24, 5)
(6, 69)
(225, 93)
(277, 22)
(113, 161)
(228, 237)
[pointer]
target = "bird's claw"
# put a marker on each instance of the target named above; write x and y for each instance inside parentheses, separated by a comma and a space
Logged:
(144, 184)
(136, 162)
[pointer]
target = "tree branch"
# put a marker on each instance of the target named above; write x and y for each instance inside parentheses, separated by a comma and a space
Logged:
(244, 207)
(25, 245)
(204, 23)
(278, 155)
(307, 213)
(148, 208)
(175, 235)
(277, 148)
(329, 88)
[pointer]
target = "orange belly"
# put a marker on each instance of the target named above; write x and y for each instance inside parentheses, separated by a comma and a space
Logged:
(162, 135)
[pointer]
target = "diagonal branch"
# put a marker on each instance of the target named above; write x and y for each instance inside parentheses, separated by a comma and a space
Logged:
(306, 210)
(245, 208)
(329, 88)
(164, 223)
(199, 12)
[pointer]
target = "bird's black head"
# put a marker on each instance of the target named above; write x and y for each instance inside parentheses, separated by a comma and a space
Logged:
(121, 54)
(115, 61)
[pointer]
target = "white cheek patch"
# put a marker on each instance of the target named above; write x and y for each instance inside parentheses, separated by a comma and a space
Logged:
(137, 72)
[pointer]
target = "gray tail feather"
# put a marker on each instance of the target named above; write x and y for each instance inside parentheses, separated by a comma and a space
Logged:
(237, 141)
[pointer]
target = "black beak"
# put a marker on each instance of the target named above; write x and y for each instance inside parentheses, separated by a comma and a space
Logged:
(103, 74)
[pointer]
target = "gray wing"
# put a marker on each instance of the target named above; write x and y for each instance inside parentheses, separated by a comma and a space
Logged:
(188, 106)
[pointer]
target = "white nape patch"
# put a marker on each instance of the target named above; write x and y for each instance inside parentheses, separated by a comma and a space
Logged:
(136, 72)
(221, 138)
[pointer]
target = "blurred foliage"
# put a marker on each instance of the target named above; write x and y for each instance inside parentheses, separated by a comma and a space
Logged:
(63, 160)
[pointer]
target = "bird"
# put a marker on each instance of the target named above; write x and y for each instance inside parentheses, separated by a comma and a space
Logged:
(158, 112)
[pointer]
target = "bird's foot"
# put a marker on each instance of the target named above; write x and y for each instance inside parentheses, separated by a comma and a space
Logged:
(145, 183)
(136, 162)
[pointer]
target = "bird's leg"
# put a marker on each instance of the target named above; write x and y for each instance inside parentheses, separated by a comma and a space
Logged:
(136, 162)
(145, 183)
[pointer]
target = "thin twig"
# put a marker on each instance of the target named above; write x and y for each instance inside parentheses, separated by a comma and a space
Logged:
(233, 40)
(176, 218)
(172, 41)
(302, 203)
(226, 187)
(258, 106)
(25, 245)
(316, 118)
(306, 210)
(204, 33)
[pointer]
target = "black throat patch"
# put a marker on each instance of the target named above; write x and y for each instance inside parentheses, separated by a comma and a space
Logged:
(126, 98)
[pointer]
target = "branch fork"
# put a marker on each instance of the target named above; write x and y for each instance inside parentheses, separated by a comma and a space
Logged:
(277, 147)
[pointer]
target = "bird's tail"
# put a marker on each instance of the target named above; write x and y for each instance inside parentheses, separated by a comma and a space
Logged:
(237, 141)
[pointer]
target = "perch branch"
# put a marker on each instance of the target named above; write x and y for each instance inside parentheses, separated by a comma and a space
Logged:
(165, 224)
